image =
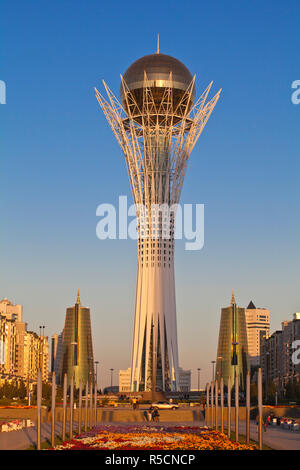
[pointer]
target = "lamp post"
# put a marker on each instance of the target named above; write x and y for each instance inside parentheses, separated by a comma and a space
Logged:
(40, 335)
(28, 390)
(41, 347)
(91, 405)
(39, 404)
(96, 364)
(91, 379)
(207, 410)
(234, 357)
(236, 387)
(86, 406)
(248, 408)
(80, 407)
(91, 374)
(216, 404)
(71, 407)
(267, 373)
(53, 397)
(222, 403)
(212, 403)
(95, 404)
(64, 407)
(111, 377)
(229, 407)
(260, 404)
(73, 343)
(236, 401)
(29, 375)
(213, 370)
(199, 379)
(220, 358)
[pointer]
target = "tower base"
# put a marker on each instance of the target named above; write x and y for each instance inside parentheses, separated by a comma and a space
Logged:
(148, 396)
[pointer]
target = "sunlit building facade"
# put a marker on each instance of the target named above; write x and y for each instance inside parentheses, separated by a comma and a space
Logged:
(184, 382)
(258, 326)
(22, 352)
(124, 380)
(8, 353)
(280, 354)
(36, 356)
(11, 311)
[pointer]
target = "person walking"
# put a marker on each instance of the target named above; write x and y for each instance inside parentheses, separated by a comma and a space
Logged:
(149, 414)
(155, 415)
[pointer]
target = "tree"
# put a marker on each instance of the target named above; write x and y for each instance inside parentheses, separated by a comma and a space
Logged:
(253, 392)
(22, 392)
(271, 390)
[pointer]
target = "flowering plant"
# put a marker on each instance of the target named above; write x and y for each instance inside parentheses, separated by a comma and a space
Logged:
(112, 437)
(15, 425)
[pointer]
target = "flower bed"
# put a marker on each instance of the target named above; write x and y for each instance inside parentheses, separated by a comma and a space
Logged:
(15, 425)
(111, 437)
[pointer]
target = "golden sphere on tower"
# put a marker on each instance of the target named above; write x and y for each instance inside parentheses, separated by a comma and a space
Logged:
(157, 68)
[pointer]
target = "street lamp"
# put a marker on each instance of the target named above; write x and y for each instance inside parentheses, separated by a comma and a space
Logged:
(40, 335)
(213, 370)
(267, 373)
(96, 364)
(220, 358)
(234, 358)
(198, 378)
(73, 343)
(90, 367)
(41, 348)
(111, 377)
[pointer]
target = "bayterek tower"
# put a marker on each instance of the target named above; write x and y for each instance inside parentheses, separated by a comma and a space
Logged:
(157, 122)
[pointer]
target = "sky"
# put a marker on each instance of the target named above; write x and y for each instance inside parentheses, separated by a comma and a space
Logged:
(60, 160)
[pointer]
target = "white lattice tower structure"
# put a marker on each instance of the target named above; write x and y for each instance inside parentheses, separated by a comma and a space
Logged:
(157, 125)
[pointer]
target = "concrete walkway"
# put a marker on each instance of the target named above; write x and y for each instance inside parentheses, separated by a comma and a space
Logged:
(275, 437)
(27, 437)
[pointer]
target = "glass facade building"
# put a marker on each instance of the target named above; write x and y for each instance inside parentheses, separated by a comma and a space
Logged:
(232, 356)
(77, 348)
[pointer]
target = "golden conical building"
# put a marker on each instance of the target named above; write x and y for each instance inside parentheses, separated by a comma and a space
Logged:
(232, 356)
(77, 349)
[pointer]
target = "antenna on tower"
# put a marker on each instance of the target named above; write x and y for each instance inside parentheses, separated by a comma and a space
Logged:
(78, 298)
(233, 298)
(157, 52)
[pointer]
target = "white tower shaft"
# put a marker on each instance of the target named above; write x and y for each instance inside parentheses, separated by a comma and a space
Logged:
(156, 145)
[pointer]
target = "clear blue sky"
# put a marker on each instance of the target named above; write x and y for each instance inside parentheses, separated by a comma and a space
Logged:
(59, 160)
